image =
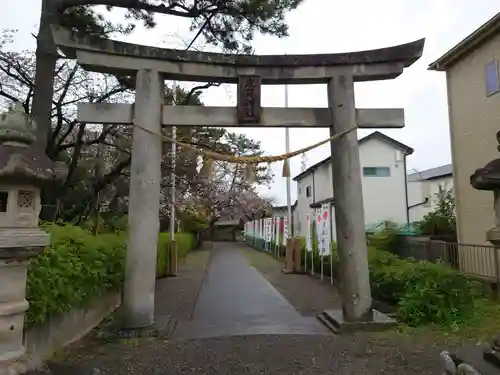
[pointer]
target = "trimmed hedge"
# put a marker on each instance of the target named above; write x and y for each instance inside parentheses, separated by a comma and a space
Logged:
(78, 266)
(185, 242)
(422, 292)
(263, 245)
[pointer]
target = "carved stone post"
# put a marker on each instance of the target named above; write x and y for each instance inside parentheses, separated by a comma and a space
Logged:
(23, 169)
(473, 361)
(493, 234)
(349, 211)
(144, 202)
(488, 179)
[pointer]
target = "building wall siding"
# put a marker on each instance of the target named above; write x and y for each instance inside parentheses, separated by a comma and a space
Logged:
(384, 198)
(303, 203)
(474, 121)
(419, 190)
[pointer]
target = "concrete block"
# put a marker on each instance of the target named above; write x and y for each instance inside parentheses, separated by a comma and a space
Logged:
(334, 320)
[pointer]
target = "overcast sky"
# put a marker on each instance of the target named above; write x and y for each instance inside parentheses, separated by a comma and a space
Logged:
(328, 26)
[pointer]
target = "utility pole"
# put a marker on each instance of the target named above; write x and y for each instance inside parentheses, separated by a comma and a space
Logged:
(97, 174)
(288, 178)
(173, 245)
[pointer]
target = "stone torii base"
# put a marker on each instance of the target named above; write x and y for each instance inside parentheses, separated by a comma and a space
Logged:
(292, 256)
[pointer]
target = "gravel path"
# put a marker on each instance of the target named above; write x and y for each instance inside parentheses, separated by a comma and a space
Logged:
(309, 295)
(284, 354)
(362, 353)
(177, 295)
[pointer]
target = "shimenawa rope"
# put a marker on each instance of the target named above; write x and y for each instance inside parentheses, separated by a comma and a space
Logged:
(247, 159)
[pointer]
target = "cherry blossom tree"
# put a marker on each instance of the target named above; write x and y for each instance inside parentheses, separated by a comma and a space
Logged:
(98, 157)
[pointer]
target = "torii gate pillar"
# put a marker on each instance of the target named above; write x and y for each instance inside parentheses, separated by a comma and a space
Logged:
(349, 212)
(144, 202)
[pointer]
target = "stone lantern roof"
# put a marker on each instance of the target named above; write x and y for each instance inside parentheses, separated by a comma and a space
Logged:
(20, 162)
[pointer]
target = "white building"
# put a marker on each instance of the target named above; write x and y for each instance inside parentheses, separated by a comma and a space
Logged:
(282, 211)
(422, 189)
(383, 168)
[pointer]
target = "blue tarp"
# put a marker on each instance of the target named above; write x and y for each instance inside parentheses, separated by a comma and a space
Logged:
(405, 229)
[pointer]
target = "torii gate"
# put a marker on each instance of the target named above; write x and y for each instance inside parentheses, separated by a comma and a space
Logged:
(151, 66)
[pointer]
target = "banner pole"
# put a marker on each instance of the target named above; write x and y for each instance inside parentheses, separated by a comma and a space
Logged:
(321, 267)
(331, 245)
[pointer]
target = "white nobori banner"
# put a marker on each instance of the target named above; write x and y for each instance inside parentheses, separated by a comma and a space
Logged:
(285, 230)
(277, 238)
(308, 233)
(317, 214)
(326, 225)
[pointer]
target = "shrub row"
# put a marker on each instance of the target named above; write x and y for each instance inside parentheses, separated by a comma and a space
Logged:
(422, 292)
(78, 266)
(261, 244)
(185, 242)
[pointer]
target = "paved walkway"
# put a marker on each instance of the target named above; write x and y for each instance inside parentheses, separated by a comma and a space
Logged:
(235, 299)
(225, 301)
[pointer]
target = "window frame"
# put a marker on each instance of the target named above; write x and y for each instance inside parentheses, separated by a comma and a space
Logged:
(308, 191)
(376, 175)
(4, 207)
(493, 62)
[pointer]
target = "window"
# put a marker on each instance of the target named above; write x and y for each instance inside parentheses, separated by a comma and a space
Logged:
(300, 190)
(491, 76)
(376, 171)
(308, 191)
(4, 196)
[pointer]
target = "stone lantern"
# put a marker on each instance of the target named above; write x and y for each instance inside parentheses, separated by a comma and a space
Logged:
(483, 360)
(23, 170)
(488, 179)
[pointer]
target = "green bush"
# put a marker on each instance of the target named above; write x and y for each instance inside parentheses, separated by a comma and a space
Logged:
(423, 292)
(75, 268)
(78, 267)
(441, 221)
(386, 238)
(185, 242)
(435, 293)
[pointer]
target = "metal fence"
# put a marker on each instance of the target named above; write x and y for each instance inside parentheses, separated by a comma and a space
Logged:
(479, 261)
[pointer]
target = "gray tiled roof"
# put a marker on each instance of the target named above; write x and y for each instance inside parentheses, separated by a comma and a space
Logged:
(429, 174)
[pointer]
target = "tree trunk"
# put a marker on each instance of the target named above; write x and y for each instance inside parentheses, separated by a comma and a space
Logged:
(46, 58)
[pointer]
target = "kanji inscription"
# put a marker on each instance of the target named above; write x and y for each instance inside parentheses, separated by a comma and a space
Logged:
(249, 99)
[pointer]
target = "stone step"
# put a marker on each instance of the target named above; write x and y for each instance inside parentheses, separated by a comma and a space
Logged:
(334, 320)
(204, 329)
(332, 326)
(60, 368)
